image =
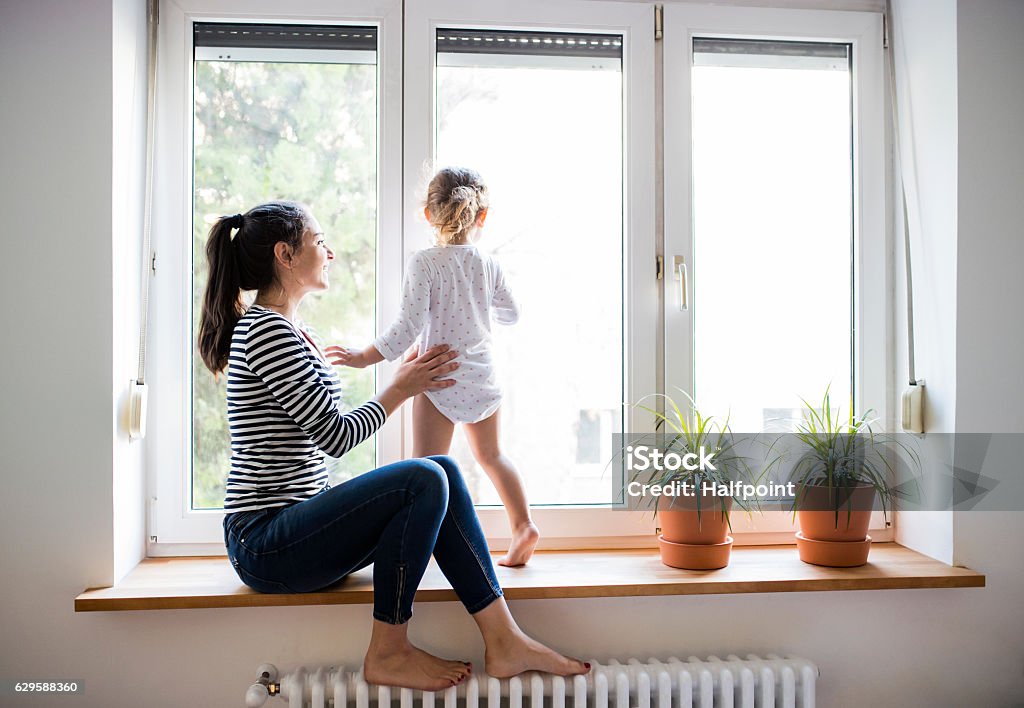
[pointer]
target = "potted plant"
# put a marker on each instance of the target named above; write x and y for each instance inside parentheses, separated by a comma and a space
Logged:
(843, 470)
(694, 516)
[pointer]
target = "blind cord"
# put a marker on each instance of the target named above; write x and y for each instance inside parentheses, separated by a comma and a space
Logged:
(890, 60)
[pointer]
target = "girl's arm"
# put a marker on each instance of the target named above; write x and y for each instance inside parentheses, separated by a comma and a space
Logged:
(503, 303)
(341, 356)
(412, 317)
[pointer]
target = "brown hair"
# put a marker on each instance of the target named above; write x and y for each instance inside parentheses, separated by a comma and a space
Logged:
(455, 196)
(245, 262)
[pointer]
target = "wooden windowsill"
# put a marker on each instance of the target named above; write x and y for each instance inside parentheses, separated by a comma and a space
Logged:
(206, 582)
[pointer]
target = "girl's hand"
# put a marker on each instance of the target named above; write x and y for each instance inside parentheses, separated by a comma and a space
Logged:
(424, 372)
(340, 356)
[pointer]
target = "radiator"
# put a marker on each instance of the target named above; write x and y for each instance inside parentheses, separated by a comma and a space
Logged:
(750, 682)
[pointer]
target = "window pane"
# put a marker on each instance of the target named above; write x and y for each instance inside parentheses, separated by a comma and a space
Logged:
(299, 131)
(545, 132)
(772, 195)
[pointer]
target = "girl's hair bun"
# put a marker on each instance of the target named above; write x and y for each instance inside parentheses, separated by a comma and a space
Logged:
(455, 196)
(463, 193)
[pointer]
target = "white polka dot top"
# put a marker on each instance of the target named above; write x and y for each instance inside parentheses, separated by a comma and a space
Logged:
(450, 295)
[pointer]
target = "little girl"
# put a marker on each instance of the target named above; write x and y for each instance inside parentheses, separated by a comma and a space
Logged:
(450, 294)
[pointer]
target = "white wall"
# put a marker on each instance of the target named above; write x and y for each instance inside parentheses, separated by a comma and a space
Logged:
(990, 339)
(990, 290)
(923, 36)
(55, 186)
(925, 50)
(128, 179)
(910, 648)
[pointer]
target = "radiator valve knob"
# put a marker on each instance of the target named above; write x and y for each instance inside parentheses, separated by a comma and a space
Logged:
(266, 685)
(270, 670)
(256, 695)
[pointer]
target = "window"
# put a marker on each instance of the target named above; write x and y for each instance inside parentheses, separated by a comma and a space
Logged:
(773, 185)
(774, 193)
(286, 110)
(539, 115)
(558, 120)
(254, 108)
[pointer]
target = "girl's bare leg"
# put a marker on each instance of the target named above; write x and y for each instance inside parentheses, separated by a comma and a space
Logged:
(392, 661)
(431, 431)
(508, 651)
(483, 440)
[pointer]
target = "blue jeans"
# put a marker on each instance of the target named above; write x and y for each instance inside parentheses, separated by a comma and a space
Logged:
(394, 517)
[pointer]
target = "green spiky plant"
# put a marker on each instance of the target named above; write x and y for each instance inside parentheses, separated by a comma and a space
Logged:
(844, 454)
(685, 431)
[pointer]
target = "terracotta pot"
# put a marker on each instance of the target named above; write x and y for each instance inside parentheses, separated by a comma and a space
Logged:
(695, 556)
(851, 522)
(681, 523)
(692, 540)
(834, 554)
(836, 540)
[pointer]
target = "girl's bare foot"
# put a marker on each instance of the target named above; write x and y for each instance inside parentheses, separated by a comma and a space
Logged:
(410, 667)
(515, 653)
(524, 540)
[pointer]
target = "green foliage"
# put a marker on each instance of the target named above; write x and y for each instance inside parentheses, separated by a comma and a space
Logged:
(686, 430)
(304, 132)
(844, 454)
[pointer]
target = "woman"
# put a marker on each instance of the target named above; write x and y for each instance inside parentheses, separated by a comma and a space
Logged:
(285, 528)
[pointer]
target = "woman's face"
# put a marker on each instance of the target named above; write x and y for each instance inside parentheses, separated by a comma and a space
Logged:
(311, 263)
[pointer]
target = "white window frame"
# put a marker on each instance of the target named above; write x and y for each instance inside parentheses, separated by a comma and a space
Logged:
(583, 526)
(405, 135)
(174, 529)
(871, 261)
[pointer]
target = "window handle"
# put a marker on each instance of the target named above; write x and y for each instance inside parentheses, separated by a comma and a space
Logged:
(679, 266)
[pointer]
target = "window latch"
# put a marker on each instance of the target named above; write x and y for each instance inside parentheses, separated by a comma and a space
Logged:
(679, 267)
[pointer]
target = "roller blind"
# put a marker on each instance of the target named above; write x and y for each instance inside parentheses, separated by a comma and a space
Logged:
(333, 37)
(714, 51)
(307, 44)
(550, 44)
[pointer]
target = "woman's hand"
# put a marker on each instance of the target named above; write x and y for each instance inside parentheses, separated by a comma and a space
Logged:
(342, 356)
(419, 373)
(423, 372)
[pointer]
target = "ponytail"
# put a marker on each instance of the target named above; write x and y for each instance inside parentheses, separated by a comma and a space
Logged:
(222, 303)
(245, 262)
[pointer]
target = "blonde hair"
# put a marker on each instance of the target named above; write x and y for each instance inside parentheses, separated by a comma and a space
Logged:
(455, 197)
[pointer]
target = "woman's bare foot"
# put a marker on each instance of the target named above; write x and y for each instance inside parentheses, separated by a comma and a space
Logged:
(392, 661)
(524, 540)
(413, 668)
(514, 652)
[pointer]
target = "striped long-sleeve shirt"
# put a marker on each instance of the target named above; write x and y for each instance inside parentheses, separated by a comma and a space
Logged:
(284, 415)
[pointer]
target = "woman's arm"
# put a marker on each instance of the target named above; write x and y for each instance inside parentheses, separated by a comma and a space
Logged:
(275, 353)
